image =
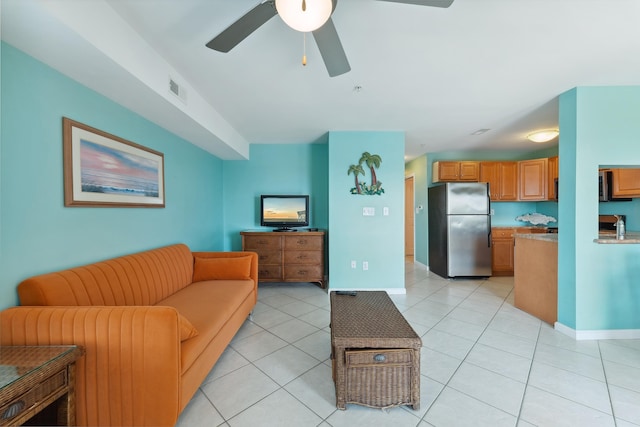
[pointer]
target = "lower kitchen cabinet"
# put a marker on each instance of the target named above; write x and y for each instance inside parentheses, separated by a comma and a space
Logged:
(502, 251)
(502, 248)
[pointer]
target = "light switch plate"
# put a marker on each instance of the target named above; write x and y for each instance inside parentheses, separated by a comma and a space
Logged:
(368, 211)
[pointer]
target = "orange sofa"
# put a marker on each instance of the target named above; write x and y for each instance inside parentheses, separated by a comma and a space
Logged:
(152, 325)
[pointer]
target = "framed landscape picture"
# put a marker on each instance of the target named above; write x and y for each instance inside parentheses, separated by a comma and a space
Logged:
(103, 170)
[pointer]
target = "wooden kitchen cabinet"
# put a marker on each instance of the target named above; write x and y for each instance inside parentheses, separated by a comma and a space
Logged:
(552, 166)
(533, 179)
(626, 182)
(502, 251)
(287, 257)
(502, 178)
(448, 171)
(502, 248)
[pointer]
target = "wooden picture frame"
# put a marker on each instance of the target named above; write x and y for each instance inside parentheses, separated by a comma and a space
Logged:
(103, 170)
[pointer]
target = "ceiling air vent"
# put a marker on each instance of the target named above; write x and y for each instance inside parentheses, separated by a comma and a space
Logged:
(177, 90)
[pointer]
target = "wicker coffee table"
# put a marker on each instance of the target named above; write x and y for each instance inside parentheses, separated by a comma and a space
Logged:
(375, 353)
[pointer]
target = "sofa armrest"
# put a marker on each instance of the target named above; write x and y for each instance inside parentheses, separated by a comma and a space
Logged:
(254, 261)
(131, 371)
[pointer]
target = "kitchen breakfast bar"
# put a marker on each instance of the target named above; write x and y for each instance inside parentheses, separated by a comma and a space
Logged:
(536, 271)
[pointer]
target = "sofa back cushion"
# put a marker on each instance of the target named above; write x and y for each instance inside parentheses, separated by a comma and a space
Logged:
(143, 278)
(236, 268)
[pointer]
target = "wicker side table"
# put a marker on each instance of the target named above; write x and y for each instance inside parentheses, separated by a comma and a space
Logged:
(32, 378)
(375, 352)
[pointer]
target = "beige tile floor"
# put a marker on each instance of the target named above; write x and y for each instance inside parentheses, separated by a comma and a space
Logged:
(483, 363)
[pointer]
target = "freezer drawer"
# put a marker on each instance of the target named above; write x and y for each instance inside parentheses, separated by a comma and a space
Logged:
(469, 248)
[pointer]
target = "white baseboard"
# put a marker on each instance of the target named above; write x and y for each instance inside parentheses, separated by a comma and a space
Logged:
(421, 265)
(605, 334)
(390, 291)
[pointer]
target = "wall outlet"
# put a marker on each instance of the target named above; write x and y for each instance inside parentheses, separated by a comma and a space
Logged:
(385, 211)
(492, 212)
(353, 264)
(365, 265)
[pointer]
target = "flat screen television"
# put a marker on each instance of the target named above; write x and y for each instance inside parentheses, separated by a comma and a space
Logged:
(284, 212)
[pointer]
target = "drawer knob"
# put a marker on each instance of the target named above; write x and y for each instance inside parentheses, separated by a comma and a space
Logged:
(380, 358)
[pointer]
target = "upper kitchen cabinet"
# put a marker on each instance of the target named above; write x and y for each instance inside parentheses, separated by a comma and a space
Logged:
(626, 182)
(553, 175)
(502, 178)
(447, 171)
(533, 179)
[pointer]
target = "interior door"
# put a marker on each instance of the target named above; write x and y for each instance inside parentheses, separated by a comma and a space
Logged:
(409, 217)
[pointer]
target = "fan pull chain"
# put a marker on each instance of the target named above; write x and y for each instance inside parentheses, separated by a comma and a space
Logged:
(304, 49)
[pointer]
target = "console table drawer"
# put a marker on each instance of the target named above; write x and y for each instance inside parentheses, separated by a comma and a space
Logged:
(266, 272)
(303, 273)
(269, 257)
(259, 243)
(304, 242)
(303, 257)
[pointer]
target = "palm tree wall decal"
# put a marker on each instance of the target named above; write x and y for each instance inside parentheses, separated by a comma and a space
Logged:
(356, 170)
(372, 161)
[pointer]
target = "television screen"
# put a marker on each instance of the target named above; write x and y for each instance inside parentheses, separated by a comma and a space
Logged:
(284, 211)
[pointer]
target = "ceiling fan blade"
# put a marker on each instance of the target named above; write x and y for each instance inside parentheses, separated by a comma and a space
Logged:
(434, 3)
(247, 24)
(331, 49)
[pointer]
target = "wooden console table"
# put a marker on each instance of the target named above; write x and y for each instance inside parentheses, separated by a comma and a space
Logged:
(32, 378)
(296, 256)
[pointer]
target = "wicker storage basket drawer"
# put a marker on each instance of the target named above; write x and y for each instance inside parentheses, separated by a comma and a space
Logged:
(378, 357)
(379, 379)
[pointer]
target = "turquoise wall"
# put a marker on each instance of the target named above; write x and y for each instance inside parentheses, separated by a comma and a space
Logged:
(274, 169)
(377, 239)
(598, 283)
(38, 234)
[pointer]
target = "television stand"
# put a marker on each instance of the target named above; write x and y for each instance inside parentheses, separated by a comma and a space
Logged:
(287, 257)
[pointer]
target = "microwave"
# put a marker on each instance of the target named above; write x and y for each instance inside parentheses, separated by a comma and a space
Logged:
(605, 188)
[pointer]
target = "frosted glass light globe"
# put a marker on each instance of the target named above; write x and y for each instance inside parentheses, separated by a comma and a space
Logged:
(316, 14)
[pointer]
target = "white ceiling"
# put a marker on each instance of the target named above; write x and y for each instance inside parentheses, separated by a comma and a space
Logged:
(437, 74)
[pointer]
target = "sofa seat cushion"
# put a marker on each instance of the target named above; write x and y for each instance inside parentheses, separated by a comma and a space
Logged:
(207, 305)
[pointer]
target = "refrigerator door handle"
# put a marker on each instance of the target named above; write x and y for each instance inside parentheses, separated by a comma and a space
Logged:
(489, 228)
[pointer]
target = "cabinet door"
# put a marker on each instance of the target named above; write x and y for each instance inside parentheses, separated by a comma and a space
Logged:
(626, 182)
(508, 181)
(533, 176)
(469, 171)
(502, 251)
(490, 172)
(553, 174)
(445, 171)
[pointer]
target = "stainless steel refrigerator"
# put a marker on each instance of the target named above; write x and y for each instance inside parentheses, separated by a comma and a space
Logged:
(460, 229)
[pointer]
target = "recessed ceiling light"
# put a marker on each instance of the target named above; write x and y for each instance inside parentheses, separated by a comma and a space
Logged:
(480, 131)
(543, 135)
(357, 88)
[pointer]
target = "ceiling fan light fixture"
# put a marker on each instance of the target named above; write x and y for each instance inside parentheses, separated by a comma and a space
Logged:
(543, 136)
(304, 15)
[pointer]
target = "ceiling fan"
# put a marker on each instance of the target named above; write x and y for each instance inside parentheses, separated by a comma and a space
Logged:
(326, 36)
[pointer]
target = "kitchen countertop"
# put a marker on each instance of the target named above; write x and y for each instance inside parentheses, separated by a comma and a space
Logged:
(548, 237)
(632, 237)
